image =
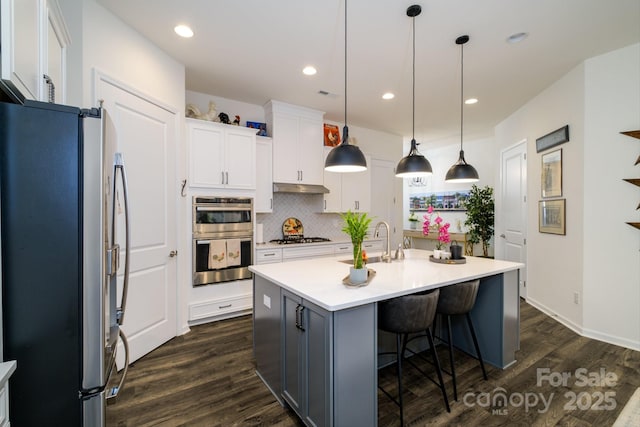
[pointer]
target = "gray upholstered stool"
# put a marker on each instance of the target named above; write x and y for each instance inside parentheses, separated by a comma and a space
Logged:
(405, 315)
(459, 299)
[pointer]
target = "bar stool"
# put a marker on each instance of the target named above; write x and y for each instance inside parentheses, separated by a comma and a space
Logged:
(405, 315)
(456, 300)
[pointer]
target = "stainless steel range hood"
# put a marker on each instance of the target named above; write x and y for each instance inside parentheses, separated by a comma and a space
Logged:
(282, 187)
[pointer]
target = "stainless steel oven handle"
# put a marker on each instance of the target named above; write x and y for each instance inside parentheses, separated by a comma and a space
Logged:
(218, 209)
(207, 241)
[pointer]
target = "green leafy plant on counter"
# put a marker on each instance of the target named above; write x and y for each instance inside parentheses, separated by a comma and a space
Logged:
(356, 225)
(480, 216)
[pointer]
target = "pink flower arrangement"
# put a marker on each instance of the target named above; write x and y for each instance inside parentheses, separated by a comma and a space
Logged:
(443, 229)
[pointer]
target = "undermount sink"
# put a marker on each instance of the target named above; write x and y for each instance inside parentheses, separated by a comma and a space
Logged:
(370, 260)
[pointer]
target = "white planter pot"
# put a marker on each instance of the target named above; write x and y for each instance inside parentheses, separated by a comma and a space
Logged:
(437, 253)
(357, 275)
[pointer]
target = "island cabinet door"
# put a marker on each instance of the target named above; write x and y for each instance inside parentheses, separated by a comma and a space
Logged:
(306, 359)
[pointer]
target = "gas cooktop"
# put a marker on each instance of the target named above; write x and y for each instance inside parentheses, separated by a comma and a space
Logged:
(299, 239)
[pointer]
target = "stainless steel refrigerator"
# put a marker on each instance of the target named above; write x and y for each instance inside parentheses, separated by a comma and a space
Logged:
(63, 207)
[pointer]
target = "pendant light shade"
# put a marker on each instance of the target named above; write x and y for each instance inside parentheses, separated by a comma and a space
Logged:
(414, 165)
(461, 171)
(345, 157)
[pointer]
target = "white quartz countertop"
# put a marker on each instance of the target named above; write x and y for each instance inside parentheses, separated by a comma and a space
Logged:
(320, 280)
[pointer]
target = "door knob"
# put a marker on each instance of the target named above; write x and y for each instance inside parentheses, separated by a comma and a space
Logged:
(173, 254)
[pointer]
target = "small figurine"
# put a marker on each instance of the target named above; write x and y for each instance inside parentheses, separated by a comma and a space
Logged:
(224, 118)
(263, 130)
(194, 112)
(236, 121)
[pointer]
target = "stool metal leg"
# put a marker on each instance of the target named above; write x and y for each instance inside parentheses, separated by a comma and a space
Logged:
(475, 343)
(399, 352)
(436, 361)
(451, 362)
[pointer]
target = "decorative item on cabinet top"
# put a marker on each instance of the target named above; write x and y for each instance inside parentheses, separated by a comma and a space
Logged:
(634, 181)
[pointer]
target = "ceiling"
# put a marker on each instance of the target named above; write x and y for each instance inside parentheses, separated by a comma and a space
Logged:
(254, 51)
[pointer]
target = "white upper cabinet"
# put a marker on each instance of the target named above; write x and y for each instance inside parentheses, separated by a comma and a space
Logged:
(347, 191)
(297, 143)
(34, 43)
(263, 202)
(221, 156)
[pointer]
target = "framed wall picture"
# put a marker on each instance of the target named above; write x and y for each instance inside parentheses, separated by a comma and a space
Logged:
(552, 139)
(551, 174)
(551, 216)
(331, 135)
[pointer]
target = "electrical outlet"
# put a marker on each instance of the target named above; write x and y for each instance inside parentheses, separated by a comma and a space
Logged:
(576, 297)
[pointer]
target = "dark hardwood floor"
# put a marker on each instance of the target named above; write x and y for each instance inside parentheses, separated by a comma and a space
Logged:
(207, 378)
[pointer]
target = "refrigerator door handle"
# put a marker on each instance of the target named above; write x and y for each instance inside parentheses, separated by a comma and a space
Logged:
(112, 393)
(119, 166)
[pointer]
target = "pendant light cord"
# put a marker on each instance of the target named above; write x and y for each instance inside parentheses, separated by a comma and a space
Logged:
(461, 92)
(345, 65)
(413, 87)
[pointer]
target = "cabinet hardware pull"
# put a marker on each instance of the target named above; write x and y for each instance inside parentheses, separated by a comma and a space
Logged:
(270, 254)
(301, 318)
(52, 88)
(226, 174)
(184, 184)
(224, 306)
(222, 173)
(297, 316)
(173, 254)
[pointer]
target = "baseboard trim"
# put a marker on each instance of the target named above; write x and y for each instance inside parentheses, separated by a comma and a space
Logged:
(585, 332)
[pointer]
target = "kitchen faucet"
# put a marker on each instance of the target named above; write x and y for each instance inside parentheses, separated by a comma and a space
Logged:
(386, 256)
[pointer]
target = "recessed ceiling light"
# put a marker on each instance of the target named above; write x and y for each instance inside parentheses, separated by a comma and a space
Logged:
(388, 96)
(471, 101)
(309, 70)
(183, 31)
(517, 37)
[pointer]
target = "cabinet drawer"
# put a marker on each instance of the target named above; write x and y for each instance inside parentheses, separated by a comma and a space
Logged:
(218, 307)
(266, 256)
(373, 245)
(307, 252)
(343, 248)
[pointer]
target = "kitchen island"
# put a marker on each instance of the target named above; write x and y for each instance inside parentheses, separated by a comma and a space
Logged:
(316, 340)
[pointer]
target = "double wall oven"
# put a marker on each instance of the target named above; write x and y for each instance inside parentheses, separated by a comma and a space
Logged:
(222, 239)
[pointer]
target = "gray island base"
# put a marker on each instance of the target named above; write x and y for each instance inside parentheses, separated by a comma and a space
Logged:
(316, 341)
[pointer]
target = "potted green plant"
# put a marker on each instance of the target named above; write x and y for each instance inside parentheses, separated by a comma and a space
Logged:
(480, 216)
(356, 225)
(413, 220)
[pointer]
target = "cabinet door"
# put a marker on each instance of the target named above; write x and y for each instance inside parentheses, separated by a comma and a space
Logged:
(292, 364)
(21, 35)
(333, 181)
(318, 325)
(55, 46)
(263, 202)
(356, 190)
(240, 158)
(206, 156)
(311, 154)
(286, 149)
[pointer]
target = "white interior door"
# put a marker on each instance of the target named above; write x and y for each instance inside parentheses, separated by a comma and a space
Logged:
(513, 175)
(145, 134)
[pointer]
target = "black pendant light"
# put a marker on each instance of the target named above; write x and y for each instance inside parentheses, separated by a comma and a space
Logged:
(414, 165)
(461, 171)
(345, 157)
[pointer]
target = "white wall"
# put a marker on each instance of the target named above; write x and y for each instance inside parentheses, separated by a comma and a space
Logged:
(611, 247)
(598, 256)
(100, 41)
(442, 154)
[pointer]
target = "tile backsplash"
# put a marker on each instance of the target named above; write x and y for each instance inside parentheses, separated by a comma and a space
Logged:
(305, 207)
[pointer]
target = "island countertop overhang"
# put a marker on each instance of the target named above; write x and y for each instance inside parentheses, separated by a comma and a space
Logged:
(320, 280)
